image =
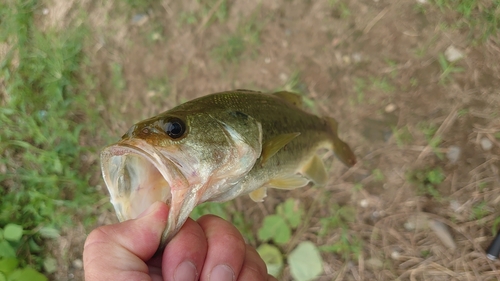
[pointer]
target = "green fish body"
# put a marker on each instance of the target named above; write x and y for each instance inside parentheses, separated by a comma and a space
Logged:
(216, 148)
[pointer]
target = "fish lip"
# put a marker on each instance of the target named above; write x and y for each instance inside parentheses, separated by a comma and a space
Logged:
(168, 169)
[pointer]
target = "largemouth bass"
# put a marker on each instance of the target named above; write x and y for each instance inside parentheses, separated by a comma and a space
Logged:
(216, 148)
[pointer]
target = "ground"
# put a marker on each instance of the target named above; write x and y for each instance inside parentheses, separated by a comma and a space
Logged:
(378, 67)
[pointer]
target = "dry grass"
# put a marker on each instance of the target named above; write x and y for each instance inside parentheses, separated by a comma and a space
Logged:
(332, 51)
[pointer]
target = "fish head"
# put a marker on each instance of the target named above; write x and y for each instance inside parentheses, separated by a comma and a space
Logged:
(182, 158)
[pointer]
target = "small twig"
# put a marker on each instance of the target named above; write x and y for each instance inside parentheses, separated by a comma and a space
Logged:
(304, 227)
(422, 148)
(167, 8)
(450, 119)
(480, 114)
(209, 15)
(341, 274)
(375, 20)
(354, 272)
(473, 171)
(361, 267)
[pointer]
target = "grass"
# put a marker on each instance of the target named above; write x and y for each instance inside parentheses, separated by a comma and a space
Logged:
(480, 18)
(429, 130)
(294, 84)
(45, 118)
(462, 112)
(480, 211)
(348, 245)
(365, 89)
(382, 84)
(427, 181)
(231, 50)
(402, 136)
(208, 12)
(447, 68)
(378, 175)
(234, 47)
(143, 14)
(340, 9)
(413, 82)
(341, 216)
(423, 49)
(117, 78)
(394, 70)
(159, 88)
(359, 88)
(139, 5)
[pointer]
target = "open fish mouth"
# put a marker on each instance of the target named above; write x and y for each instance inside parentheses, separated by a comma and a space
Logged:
(137, 175)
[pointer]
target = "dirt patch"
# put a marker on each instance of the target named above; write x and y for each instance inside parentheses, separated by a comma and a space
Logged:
(372, 65)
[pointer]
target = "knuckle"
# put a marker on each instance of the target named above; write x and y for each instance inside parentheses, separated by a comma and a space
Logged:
(234, 239)
(97, 235)
(252, 272)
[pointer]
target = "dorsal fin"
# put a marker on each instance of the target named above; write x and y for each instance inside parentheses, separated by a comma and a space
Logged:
(246, 91)
(292, 98)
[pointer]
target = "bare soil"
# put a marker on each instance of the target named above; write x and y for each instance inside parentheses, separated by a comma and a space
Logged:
(376, 71)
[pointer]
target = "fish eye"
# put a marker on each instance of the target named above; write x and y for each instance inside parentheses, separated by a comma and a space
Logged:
(175, 128)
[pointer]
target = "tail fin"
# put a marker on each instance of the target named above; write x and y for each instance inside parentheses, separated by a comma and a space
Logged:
(340, 148)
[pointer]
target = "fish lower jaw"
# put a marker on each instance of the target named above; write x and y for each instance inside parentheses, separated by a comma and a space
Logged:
(136, 178)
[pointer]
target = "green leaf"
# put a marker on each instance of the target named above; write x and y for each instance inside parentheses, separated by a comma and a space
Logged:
(50, 265)
(8, 265)
(6, 250)
(34, 247)
(435, 176)
(25, 274)
(292, 211)
(305, 262)
(274, 227)
(272, 257)
(13, 232)
(49, 232)
(217, 209)
(2, 277)
(57, 165)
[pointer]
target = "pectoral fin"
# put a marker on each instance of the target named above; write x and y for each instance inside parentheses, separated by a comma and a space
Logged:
(342, 151)
(315, 171)
(270, 147)
(288, 182)
(258, 195)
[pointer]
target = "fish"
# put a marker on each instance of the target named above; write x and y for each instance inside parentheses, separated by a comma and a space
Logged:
(216, 148)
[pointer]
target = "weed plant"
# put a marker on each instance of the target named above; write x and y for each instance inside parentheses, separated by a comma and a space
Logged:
(481, 18)
(45, 116)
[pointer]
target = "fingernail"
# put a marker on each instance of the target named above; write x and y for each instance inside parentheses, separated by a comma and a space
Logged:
(222, 272)
(151, 209)
(186, 271)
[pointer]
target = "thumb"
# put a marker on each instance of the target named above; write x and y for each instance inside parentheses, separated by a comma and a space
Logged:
(112, 249)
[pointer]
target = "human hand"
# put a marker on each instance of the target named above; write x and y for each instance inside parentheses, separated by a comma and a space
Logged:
(207, 249)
